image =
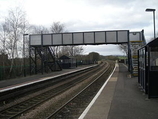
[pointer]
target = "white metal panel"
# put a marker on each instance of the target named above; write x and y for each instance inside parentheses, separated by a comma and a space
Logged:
(67, 38)
(134, 36)
(111, 37)
(83, 38)
(89, 37)
(35, 40)
(57, 39)
(47, 39)
(78, 38)
(122, 36)
(99, 37)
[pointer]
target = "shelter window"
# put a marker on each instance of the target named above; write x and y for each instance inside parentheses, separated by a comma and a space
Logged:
(147, 58)
(140, 58)
(143, 58)
(154, 58)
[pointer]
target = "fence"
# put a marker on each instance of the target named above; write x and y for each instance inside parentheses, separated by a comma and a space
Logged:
(17, 71)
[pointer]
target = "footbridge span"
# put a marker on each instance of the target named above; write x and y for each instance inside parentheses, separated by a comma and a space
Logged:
(40, 46)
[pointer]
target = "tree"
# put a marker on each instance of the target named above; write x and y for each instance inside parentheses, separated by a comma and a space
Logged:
(14, 26)
(124, 48)
(57, 27)
(71, 50)
(34, 29)
(3, 37)
(75, 50)
(94, 56)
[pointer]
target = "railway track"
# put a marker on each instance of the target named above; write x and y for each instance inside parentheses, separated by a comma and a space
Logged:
(24, 106)
(10, 95)
(73, 108)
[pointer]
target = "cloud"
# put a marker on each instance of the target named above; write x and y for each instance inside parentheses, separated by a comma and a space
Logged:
(89, 15)
(103, 49)
(80, 15)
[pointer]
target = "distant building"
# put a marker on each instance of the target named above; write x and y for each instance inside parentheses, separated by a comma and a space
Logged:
(67, 62)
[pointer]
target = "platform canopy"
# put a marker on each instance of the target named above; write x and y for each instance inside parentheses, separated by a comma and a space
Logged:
(80, 38)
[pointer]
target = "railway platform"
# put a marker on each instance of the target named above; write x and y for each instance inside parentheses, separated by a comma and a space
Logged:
(121, 98)
(17, 82)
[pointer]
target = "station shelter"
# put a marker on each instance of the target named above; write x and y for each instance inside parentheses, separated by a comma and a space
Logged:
(148, 68)
(67, 62)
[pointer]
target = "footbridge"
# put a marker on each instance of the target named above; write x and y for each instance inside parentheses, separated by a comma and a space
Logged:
(41, 51)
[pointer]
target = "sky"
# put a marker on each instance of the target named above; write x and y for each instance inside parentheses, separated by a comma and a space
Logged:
(89, 15)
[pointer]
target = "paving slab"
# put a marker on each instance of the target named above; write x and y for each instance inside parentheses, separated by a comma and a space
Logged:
(129, 102)
(122, 98)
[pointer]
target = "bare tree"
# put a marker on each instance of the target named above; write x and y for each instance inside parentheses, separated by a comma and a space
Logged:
(124, 48)
(15, 25)
(71, 50)
(57, 27)
(78, 50)
(3, 37)
(75, 50)
(64, 51)
(38, 29)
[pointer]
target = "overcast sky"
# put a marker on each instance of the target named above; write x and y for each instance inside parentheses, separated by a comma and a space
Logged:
(89, 15)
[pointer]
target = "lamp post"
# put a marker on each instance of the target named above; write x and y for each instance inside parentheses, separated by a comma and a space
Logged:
(24, 53)
(152, 10)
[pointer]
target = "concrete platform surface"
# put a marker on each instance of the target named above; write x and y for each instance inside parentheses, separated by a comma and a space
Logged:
(28, 78)
(122, 98)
